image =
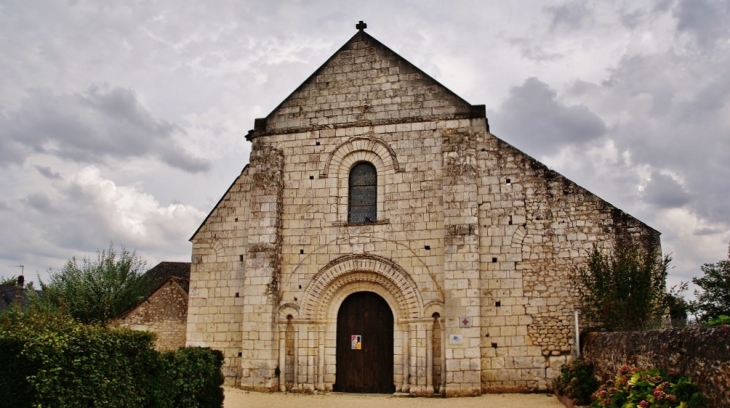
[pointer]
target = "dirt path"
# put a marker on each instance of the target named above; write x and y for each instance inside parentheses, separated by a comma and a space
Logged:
(236, 398)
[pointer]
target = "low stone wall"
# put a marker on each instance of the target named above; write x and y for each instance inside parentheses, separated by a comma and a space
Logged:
(698, 352)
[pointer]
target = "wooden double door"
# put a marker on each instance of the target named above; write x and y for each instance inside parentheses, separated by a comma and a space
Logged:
(364, 345)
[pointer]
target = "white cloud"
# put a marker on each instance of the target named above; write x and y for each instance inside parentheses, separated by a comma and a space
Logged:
(85, 212)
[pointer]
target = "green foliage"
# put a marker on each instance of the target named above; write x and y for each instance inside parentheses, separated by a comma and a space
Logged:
(576, 381)
(625, 290)
(647, 388)
(96, 291)
(51, 360)
(719, 321)
(678, 307)
(11, 281)
(196, 374)
(714, 299)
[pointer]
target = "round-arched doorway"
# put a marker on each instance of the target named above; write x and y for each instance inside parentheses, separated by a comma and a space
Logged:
(364, 345)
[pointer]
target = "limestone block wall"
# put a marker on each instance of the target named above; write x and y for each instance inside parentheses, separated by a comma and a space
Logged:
(535, 227)
(407, 236)
(365, 83)
(262, 279)
(461, 259)
(164, 313)
(215, 310)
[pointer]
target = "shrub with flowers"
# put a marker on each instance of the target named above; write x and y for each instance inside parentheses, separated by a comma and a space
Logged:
(635, 387)
(576, 381)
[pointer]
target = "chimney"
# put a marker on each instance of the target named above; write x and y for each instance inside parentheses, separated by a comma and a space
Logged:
(19, 291)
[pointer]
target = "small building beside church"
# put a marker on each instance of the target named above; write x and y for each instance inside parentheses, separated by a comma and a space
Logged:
(382, 239)
(164, 310)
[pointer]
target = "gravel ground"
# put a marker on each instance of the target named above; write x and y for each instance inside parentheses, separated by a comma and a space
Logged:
(236, 398)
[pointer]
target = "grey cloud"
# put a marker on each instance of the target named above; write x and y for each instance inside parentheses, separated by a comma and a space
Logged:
(707, 231)
(647, 75)
(93, 125)
(661, 6)
(11, 152)
(48, 173)
(705, 20)
(571, 15)
(664, 192)
(631, 19)
(533, 119)
(672, 108)
(708, 100)
(4, 206)
(39, 202)
(177, 158)
(535, 51)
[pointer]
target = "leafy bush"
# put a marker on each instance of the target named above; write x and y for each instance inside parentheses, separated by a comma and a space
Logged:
(623, 290)
(719, 321)
(196, 375)
(50, 360)
(647, 388)
(576, 381)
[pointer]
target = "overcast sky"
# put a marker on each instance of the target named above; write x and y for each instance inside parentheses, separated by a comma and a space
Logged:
(124, 120)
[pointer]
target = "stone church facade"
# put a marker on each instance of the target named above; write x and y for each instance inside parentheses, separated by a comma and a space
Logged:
(381, 239)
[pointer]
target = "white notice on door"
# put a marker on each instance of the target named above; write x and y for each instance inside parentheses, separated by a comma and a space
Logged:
(356, 340)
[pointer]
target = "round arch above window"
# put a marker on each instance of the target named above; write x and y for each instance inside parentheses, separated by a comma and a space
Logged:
(346, 165)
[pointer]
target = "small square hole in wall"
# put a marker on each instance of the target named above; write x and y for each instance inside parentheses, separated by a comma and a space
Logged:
(509, 181)
(301, 251)
(494, 345)
(510, 220)
(240, 354)
(427, 247)
(311, 177)
(240, 258)
(237, 294)
(236, 219)
(317, 143)
(300, 286)
(494, 260)
(498, 303)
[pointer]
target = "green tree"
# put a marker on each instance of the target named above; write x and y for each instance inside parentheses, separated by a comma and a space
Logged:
(95, 291)
(11, 281)
(678, 307)
(714, 299)
(623, 290)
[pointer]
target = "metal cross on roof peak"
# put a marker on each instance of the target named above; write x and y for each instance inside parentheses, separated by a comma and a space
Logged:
(361, 26)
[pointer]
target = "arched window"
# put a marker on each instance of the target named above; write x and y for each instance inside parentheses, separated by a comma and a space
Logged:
(363, 194)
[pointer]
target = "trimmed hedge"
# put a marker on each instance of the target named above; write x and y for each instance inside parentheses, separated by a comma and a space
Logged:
(53, 361)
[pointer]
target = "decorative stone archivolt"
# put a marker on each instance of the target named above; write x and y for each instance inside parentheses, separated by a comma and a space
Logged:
(355, 150)
(374, 145)
(357, 273)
